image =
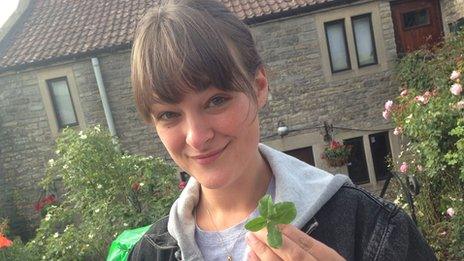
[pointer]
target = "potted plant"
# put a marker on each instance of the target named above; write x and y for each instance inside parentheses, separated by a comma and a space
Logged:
(337, 154)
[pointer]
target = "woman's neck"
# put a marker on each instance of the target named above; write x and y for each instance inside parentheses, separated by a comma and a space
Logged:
(234, 203)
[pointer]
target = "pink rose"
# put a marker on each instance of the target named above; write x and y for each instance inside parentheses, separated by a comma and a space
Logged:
(456, 89)
(421, 99)
(450, 212)
(404, 167)
(455, 75)
(386, 115)
(404, 92)
(389, 105)
(398, 131)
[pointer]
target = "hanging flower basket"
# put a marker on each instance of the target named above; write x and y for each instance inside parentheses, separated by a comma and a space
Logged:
(337, 154)
(337, 162)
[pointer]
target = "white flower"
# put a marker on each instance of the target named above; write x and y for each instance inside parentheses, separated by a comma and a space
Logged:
(450, 212)
(83, 137)
(97, 128)
(90, 235)
(43, 257)
(125, 224)
(57, 152)
(97, 210)
(56, 235)
(141, 184)
(87, 245)
(65, 166)
(99, 186)
(47, 217)
(51, 162)
(455, 75)
(80, 133)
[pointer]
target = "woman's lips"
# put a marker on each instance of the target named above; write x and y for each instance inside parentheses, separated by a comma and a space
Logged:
(208, 158)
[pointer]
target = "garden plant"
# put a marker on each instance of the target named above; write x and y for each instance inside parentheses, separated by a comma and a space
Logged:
(105, 191)
(429, 118)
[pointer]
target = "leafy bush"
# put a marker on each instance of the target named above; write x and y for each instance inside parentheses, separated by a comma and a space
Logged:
(429, 114)
(106, 191)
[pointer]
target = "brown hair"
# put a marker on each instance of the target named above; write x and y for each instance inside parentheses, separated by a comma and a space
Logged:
(190, 45)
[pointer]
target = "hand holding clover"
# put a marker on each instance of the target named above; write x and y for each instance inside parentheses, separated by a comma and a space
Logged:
(284, 241)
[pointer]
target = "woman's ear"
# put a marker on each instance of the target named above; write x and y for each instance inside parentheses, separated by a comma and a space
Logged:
(262, 87)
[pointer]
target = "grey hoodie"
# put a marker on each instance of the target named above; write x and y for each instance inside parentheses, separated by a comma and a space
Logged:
(306, 186)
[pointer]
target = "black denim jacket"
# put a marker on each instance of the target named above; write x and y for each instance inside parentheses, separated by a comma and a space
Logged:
(358, 225)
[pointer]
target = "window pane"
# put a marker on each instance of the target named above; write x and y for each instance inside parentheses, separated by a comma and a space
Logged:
(365, 47)
(336, 40)
(62, 101)
(416, 18)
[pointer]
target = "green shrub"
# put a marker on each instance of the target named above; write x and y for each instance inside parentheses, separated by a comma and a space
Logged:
(430, 119)
(106, 192)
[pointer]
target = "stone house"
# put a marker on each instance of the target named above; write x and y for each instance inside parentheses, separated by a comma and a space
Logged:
(66, 63)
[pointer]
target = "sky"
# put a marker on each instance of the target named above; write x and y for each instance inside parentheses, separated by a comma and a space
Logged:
(7, 7)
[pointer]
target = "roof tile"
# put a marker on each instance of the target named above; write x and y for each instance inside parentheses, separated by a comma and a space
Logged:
(58, 28)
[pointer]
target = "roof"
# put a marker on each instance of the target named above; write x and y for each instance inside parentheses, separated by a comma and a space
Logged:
(56, 30)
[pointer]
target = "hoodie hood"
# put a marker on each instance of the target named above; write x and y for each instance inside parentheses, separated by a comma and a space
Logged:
(306, 186)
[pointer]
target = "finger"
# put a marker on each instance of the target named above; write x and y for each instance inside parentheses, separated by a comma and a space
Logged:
(289, 249)
(261, 249)
(317, 249)
(252, 256)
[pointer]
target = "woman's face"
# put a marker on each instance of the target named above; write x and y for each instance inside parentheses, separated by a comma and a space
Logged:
(213, 135)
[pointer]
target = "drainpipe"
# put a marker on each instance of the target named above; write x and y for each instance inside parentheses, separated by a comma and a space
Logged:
(104, 97)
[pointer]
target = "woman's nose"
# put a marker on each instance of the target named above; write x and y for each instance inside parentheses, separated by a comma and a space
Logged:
(199, 133)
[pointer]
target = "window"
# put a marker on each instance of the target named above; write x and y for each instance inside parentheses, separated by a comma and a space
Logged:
(364, 40)
(62, 102)
(304, 154)
(416, 18)
(337, 45)
(381, 152)
(357, 167)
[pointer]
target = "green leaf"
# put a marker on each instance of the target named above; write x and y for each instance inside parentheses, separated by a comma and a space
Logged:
(285, 212)
(256, 224)
(265, 205)
(274, 237)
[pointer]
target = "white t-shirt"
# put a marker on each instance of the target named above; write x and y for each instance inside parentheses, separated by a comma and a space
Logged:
(233, 238)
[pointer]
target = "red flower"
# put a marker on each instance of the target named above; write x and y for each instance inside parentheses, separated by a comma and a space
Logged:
(4, 242)
(335, 145)
(135, 186)
(47, 200)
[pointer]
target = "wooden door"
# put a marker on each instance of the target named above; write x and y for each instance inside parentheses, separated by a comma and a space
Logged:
(417, 23)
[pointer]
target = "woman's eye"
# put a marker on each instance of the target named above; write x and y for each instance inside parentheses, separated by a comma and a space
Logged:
(166, 116)
(217, 101)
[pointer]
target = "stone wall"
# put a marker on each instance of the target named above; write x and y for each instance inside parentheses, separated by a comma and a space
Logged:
(452, 10)
(301, 96)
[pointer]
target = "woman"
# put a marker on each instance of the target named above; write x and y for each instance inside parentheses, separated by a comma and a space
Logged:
(199, 80)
